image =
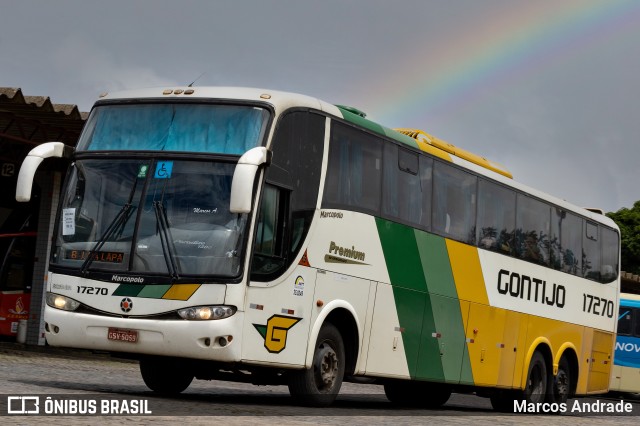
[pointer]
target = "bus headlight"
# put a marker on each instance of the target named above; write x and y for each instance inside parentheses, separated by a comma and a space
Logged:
(61, 302)
(207, 312)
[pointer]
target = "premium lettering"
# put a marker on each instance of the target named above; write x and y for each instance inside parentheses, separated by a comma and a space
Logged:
(350, 253)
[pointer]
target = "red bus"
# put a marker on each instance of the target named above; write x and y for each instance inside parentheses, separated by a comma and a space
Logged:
(16, 273)
(18, 226)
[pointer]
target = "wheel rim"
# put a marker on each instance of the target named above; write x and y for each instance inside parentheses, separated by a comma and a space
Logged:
(562, 384)
(326, 367)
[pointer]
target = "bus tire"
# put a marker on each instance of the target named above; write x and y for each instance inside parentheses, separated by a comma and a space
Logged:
(167, 376)
(562, 382)
(319, 385)
(536, 386)
(417, 394)
(535, 390)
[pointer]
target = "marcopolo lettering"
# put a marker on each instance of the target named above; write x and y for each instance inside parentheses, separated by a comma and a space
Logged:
(530, 288)
(120, 279)
(336, 215)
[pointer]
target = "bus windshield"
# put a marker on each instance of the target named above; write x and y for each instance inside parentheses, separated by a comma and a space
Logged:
(159, 216)
(186, 127)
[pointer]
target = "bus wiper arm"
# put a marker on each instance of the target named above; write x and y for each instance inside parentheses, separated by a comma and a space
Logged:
(165, 239)
(121, 218)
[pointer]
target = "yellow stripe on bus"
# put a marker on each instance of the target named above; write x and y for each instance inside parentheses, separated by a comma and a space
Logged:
(181, 291)
(467, 272)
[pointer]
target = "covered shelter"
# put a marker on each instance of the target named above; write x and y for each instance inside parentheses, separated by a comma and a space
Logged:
(26, 122)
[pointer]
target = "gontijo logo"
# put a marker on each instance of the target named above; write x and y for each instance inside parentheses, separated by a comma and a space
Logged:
(275, 332)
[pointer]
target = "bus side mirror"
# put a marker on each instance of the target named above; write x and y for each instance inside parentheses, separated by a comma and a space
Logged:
(244, 176)
(31, 163)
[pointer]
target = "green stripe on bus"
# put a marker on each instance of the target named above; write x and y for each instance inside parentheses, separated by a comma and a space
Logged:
(376, 128)
(128, 290)
(154, 291)
(427, 303)
(449, 330)
(435, 264)
(412, 299)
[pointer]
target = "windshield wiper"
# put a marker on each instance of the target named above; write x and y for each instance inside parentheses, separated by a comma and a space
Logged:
(165, 239)
(120, 220)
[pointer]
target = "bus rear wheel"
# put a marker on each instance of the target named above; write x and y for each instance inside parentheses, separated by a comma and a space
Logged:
(165, 375)
(319, 385)
(562, 382)
(535, 390)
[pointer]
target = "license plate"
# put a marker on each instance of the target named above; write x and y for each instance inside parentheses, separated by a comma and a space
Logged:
(122, 335)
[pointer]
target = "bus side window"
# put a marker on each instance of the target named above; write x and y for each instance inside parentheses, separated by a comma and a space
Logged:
(610, 244)
(567, 251)
(290, 193)
(532, 230)
(426, 186)
(625, 320)
(354, 173)
(591, 251)
(496, 217)
(636, 317)
(17, 265)
(401, 193)
(267, 248)
(454, 203)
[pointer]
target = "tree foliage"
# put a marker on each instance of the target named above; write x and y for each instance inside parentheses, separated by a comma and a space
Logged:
(628, 220)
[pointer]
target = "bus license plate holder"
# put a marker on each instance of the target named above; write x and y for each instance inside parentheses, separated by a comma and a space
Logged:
(122, 335)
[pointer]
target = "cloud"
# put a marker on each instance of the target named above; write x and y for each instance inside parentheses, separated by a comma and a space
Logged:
(88, 69)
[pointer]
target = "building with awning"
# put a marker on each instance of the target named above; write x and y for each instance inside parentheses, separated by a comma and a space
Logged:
(26, 122)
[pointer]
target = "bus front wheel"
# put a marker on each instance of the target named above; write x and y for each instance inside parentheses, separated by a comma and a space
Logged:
(165, 375)
(319, 385)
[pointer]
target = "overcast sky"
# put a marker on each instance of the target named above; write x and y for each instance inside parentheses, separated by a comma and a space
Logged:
(550, 89)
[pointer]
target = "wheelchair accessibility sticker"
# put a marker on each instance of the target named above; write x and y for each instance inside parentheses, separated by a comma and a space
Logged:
(163, 169)
(275, 332)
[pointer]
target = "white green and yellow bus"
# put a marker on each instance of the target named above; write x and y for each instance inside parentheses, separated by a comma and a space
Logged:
(268, 237)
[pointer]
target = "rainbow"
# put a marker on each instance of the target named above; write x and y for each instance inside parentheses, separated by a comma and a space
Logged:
(520, 40)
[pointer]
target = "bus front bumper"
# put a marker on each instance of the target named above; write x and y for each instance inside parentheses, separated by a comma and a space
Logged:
(216, 340)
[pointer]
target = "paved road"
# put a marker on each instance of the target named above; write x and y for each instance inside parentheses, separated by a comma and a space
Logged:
(87, 377)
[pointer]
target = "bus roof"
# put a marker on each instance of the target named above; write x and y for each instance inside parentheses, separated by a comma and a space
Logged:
(279, 100)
